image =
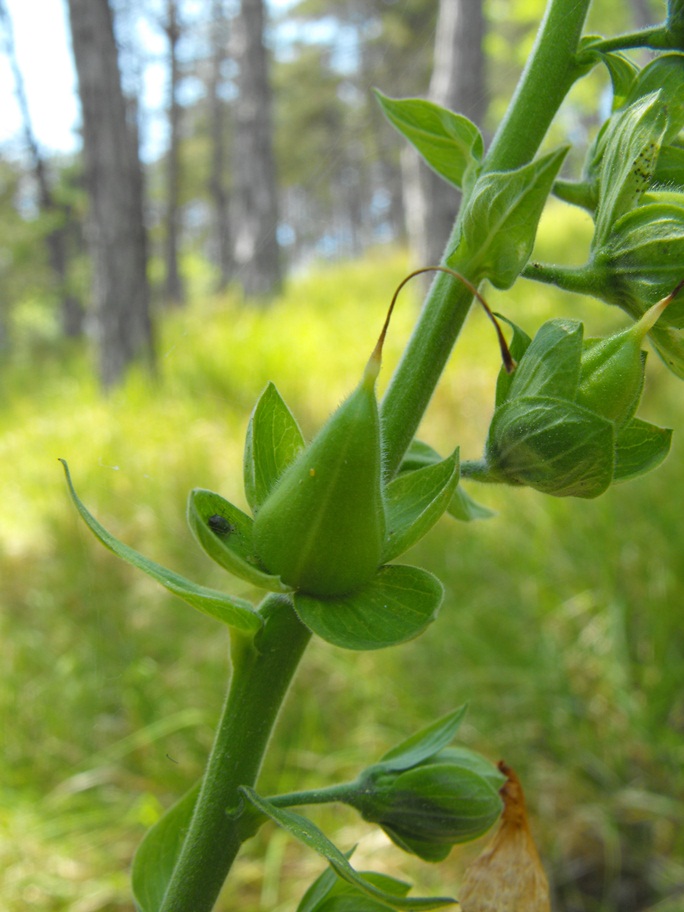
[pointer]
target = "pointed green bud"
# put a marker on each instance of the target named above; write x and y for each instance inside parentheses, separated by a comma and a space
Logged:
(612, 369)
(322, 528)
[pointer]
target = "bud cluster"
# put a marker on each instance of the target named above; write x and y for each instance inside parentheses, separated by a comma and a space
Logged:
(564, 423)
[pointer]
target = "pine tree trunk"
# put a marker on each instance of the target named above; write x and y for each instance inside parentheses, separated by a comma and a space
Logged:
(255, 201)
(217, 180)
(457, 83)
(116, 232)
(57, 239)
(173, 285)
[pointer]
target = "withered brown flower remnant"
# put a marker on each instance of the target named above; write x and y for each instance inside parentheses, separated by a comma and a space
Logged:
(508, 876)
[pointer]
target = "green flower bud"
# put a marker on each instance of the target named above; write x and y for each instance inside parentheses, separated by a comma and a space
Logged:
(322, 528)
(430, 807)
(612, 369)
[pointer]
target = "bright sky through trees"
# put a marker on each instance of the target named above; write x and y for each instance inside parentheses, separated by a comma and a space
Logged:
(43, 47)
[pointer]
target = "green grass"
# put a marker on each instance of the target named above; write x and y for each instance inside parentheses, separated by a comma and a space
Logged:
(561, 627)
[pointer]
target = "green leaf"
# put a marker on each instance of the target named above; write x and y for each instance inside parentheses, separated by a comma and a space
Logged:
(551, 363)
(640, 447)
(418, 455)
(397, 605)
(450, 143)
(518, 345)
(329, 893)
(414, 501)
(670, 167)
(425, 743)
(232, 611)
(501, 218)
(309, 834)
(464, 508)
(230, 544)
(552, 445)
(156, 856)
(629, 152)
(272, 443)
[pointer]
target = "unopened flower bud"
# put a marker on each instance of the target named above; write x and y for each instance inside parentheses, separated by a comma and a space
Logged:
(322, 529)
(430, 807)
(612, 369)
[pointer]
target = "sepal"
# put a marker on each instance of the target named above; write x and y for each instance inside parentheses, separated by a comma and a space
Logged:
(397, 605)
(225, 534)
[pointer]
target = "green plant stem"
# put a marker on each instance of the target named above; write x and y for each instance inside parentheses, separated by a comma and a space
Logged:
(578, 279)
(550, 72)
(262, 671)
(341, 793)
(654, 36)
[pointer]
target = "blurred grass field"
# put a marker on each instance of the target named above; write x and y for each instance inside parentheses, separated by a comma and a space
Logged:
(562, 626)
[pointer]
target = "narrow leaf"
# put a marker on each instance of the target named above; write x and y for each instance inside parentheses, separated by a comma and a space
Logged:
(419, 454)
(640, 447)
(232, 611)
(450, 143)
(329, 893)
(414, 501)
(309, 834)
(500, 222)
(157, 854)
(425, 743)
(225, 534)
(272, 443)
(397, 605)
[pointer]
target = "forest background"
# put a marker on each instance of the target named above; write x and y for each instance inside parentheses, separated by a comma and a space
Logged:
(571, 657)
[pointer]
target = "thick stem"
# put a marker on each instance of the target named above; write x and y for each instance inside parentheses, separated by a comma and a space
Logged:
(545, 82)
(262, 672)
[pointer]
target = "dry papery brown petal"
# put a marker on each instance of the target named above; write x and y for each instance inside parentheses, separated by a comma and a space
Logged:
(508, 876)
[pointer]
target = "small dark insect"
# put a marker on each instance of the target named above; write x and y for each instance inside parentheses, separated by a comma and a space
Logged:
(219, 525)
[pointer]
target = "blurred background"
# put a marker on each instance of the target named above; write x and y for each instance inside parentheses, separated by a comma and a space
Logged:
(196, 198)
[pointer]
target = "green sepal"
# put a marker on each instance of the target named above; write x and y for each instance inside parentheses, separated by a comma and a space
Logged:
(640, 447)
(501, 218)
(419, 455)
(397, 605)
(450, 143)
(233, 548)
(461, 506)
(272, 443)
(414, 501)
(550, 366)
(156, 856)
(309, 834)
(622, 75)
(629, 151)
(424, 743)
(664, 75)
(471, 760)
(234, 612)
(518, 345)
(466, 509)
(552, 445)
(329, 893)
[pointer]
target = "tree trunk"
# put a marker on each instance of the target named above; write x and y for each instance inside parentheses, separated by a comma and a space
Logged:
(255, 202)
(458, 83)
(116, 232)
(173, 285)
(217, 114)
(57, 239)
